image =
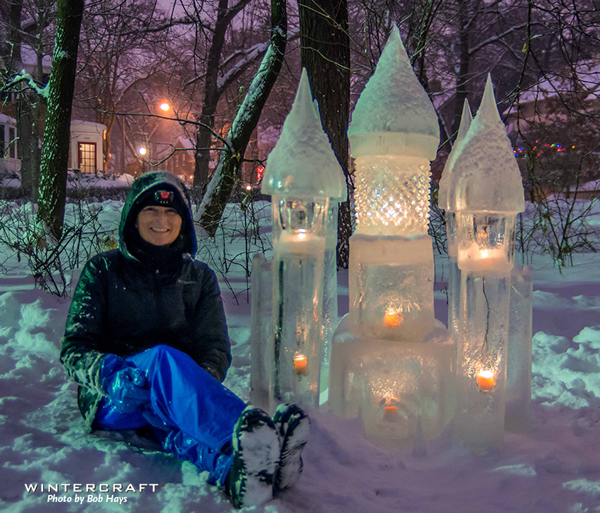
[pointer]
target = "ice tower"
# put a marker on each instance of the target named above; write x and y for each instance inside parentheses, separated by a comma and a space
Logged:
(301, 175)
(486, 195)
(389, 365)
(446, 183)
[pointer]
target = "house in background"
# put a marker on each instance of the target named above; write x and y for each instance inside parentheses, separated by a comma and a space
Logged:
(85, 148)
(8, 145)
(555, 128)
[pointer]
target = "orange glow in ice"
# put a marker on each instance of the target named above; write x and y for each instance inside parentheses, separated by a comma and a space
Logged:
(300, 365)
(392, 319)
(485, 380)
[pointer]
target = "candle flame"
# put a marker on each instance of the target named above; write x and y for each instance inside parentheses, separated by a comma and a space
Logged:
(300, 365)
(392, 319)
(486, 380)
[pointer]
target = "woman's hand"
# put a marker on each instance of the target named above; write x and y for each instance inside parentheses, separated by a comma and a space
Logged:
(125, 384)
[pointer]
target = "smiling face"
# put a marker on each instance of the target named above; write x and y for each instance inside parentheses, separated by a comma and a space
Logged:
(158, 225)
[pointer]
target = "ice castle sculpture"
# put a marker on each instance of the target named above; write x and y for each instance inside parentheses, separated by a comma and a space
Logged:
(485, 193)
(301, 175)
(391, 365)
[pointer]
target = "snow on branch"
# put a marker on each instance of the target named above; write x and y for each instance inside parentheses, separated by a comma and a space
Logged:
(249, 56)
(223, 180)
(499, 37)
(186, 20)
(25, 77)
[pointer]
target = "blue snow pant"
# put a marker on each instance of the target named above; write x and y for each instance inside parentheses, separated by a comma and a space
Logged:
(192, 413)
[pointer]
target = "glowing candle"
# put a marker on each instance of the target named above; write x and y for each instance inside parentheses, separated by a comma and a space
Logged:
(477, 258)
(390, 413)
(300, 365)
(485, 380)
(392, 319)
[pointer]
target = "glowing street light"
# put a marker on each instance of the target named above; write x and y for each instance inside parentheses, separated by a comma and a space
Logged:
(164, 107)
(142, 151)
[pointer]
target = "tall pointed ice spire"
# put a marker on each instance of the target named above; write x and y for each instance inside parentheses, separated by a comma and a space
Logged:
(302, 162)
(394, 102)
(446, 181)
(465, 121)
(485, 172)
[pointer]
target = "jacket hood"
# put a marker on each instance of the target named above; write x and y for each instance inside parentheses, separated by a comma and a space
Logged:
(146, 182)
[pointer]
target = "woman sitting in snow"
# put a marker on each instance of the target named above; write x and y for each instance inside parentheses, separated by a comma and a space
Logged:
(146, 339)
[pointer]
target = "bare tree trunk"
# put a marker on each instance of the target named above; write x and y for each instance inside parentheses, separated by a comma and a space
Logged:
(26, 140)
(325, 52)
(55, 149)
(109, 123)
(211, 96)
(224, 178)
(36, 152)
(464, 56)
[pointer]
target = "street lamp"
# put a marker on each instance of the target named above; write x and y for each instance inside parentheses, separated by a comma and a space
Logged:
(164, 107)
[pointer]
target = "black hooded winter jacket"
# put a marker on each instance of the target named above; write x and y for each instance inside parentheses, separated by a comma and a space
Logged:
(124, 304)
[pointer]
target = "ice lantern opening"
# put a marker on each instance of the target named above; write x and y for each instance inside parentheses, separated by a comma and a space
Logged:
(301, 175)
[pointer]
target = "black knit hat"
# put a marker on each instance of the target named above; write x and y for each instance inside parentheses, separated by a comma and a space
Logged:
(163, 195)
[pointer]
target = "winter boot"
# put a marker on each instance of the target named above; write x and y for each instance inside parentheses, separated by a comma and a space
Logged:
(256, 451)
(293, 426)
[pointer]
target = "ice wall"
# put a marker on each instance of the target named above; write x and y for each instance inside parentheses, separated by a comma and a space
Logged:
(518, 373)
(261, 332)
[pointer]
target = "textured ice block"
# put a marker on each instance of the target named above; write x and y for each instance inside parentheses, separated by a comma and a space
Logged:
(392, 195)
(453, 276)
(391, 286)
(330, 292)
(261, 334)
(397, 389)
(453, 298)
(518, 372)
(481, 360)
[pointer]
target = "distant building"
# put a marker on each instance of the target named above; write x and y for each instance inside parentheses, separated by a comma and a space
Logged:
(8, 145)
(85, 151)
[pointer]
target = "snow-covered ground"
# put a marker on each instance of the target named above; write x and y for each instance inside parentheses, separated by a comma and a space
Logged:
(79, 180)
(553, 469)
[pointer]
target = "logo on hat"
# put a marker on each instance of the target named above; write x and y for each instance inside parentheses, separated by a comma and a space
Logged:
(163, 197)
